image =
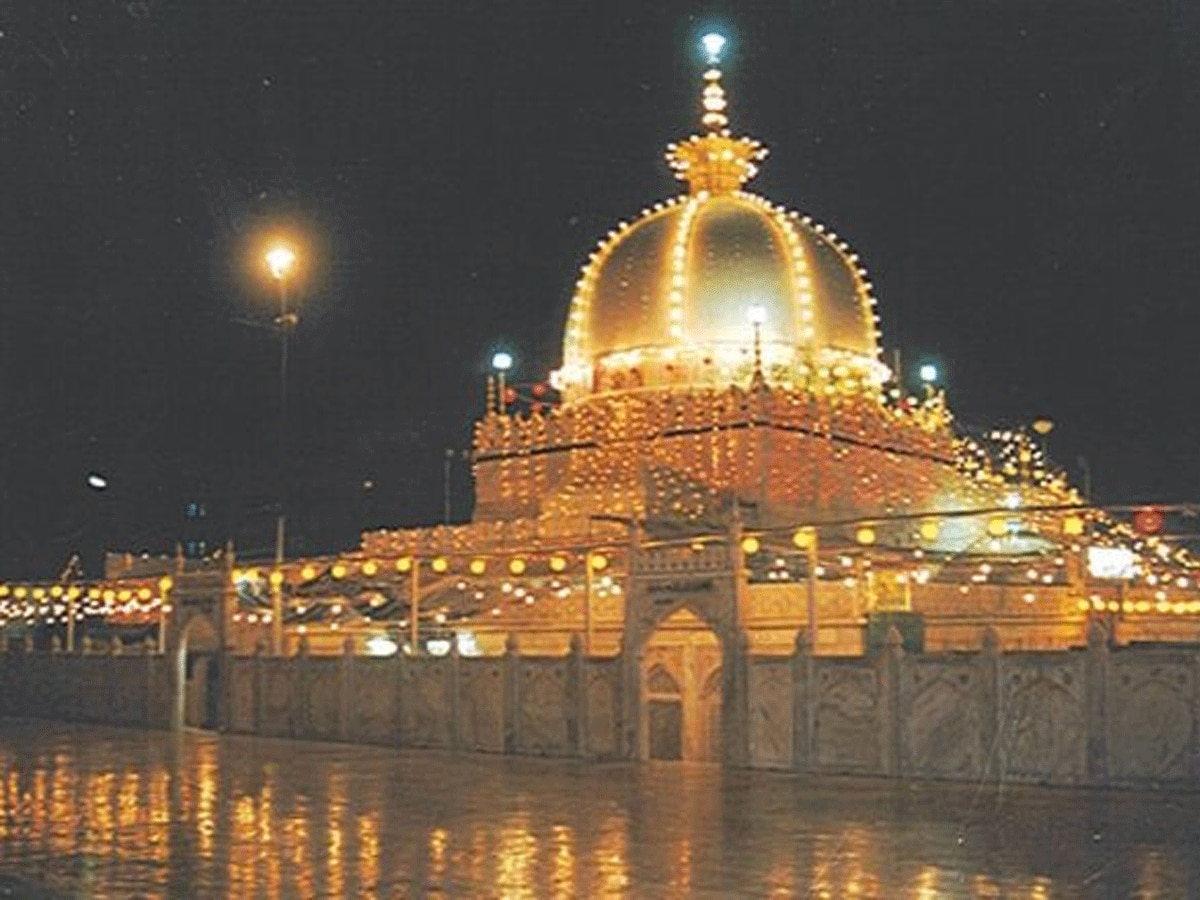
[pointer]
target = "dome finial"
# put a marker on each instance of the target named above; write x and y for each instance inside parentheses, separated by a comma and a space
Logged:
(716, 162)
(713, 98)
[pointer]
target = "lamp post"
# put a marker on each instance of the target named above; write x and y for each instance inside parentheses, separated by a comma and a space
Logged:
(1042, 428)
(502, 361)
(280, 259)
(928, 373)
(757, 315)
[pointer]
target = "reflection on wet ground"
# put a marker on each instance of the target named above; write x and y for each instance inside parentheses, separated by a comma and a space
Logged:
(102, 812)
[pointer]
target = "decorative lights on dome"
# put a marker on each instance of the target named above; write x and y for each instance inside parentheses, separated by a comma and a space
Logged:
(662, 301)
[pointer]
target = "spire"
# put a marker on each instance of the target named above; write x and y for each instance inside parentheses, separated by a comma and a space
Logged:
(716, 162)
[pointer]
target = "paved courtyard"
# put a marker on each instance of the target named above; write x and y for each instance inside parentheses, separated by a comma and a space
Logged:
(101, 812)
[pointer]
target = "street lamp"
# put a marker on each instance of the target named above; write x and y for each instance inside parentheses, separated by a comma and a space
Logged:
(280, 259)
(502, 361)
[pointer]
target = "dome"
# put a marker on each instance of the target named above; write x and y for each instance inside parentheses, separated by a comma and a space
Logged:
(717, 285)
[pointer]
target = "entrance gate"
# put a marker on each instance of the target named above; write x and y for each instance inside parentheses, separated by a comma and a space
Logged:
(685, 656)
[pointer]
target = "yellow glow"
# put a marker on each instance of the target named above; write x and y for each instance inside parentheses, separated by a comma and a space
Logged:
(516, 565)
(750, 545)
(276, 578)
(478, 566)
(865, 535)
(404, 564)
(144, 593)
(930, 530)
(558, 563)
(20, 593)
(338, 571)
(1072, 526)
(308, 573)
(370, 567)
(4, 590)
(280, 259)
(440, 564)
(56, 591)
(1083, 606)
(805, 538)
(997, 526)
(598, 562)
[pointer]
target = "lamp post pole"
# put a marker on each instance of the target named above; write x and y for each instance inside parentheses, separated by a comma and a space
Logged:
(501, 363)
(280, 260)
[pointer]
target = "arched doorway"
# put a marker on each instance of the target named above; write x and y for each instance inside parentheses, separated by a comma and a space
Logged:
(681, 690)
(197, 677)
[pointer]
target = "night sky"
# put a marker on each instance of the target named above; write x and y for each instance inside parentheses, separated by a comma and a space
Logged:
(1020, 178)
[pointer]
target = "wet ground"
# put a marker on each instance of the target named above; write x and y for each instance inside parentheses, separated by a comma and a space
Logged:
(99, 812)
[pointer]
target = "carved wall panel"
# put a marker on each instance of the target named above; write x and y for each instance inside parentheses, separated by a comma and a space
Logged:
(1043, 735)
(374, 699)
(943, 719)
(276, 700)
(847, 733)
(602, 684)
(1152, 727)
(771, 714)
(426, 703)
(324, 697)
(543, 710)
(481, 705)
(241, 695)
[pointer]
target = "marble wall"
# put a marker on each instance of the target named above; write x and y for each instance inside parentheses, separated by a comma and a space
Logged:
(1126, 716)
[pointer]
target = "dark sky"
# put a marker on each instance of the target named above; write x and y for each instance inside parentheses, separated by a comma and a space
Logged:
(1020, 178)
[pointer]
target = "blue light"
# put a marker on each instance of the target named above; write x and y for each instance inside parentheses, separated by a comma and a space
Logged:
(713, 43)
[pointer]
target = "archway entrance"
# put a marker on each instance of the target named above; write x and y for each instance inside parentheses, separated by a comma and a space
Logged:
(681, 687)
(197, 676)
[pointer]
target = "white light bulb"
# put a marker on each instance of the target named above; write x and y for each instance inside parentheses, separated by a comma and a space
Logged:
(713, 43)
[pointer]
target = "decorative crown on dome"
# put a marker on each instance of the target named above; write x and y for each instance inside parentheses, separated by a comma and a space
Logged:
(716, 162)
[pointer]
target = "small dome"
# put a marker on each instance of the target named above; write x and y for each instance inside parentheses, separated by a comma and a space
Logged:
(714, 286)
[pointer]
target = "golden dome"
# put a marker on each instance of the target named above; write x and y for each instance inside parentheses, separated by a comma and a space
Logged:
(703, 288)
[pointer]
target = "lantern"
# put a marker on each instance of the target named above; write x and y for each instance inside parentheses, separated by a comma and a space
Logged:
(1148, 520)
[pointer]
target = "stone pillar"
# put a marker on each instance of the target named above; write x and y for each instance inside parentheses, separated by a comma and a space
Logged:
(629, 709)
(298, 690)
(512, 694)
(804, 705)
(735, 699)
(454, 691)
(399, 685)
(346, 692)
(152, 710)
(990, 693)
(576, 699)
(259, 696)
(890, 668)
(1096, 699)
